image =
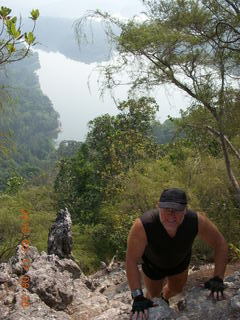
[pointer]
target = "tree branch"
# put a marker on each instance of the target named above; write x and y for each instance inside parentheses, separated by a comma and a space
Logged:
(217, 133)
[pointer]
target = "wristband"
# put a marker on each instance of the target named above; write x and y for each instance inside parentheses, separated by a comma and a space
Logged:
(137, 292)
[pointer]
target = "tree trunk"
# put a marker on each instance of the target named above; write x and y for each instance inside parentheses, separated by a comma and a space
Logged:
(230, 173)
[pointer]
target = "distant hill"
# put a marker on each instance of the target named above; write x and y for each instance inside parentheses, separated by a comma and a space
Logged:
(57, 34)
(28, 122)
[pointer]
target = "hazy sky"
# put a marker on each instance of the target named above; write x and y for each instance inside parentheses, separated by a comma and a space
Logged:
(73, 8)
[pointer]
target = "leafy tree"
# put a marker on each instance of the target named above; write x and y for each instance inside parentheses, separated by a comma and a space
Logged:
(14, 184)
(78, 186)
(191, 123)
(14, 43)
(181, 42)
(123, 140)
(226, 17)
(114, 144)
(68, 148)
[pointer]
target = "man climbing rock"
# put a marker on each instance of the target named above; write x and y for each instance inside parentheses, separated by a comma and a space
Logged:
(162, 240)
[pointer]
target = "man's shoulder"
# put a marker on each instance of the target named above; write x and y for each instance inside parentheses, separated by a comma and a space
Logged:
(150, 213)
(191, 215)
(191, 212)
(150, 216)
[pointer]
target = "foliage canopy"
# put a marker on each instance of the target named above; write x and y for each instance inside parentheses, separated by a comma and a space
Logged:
(113, 145)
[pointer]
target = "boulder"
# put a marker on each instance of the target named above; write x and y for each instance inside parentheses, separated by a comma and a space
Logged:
(16, 262)
(60, 235)
(52, 280)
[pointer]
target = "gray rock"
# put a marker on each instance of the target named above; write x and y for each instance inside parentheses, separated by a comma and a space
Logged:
(60, 235)
(234, 277)
(4, 277)
(37, 310)
(162, 311)
(235, 304)
(200, 307)
(51, 282)
(59, 291)
(16, 262)
(70, 266)
(109, 314)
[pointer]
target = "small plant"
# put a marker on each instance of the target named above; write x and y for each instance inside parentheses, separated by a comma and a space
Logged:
(14, 184)
(234, 252)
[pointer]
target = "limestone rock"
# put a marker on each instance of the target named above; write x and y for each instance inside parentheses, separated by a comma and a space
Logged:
(70, 266)
(59, 291)
(60, 236)
(235, 304)
(51, 281)
(162, 311)
(16, 262)
(37, 310)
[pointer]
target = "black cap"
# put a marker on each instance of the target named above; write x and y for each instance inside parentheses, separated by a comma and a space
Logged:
(173, 198)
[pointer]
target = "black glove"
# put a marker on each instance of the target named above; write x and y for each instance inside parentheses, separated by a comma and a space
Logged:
(140, 303)
(215, 284)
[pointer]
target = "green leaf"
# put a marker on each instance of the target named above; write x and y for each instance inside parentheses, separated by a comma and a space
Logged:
(11, 48)
(13, 31)
(14, 20)
(4, 12)
(35, 14)
(11, 28)
(29, 38)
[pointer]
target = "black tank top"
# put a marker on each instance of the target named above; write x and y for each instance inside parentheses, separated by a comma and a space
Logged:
(165, 252)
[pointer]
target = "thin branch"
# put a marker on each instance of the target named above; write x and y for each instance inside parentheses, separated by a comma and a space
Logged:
(235, 8)
(217, 133)
(180, 85)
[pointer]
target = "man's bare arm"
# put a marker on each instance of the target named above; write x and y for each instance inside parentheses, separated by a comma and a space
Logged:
(137, 242)
(209, 233)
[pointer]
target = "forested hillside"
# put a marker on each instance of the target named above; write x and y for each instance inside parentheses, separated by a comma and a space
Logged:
(28, 123)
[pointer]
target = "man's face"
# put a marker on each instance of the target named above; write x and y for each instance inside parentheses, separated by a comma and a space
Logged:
(170, 218)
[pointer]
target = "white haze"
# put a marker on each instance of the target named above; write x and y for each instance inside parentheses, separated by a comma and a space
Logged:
(64, 81)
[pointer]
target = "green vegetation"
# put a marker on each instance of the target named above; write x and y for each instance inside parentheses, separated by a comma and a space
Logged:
(14, 43)
(113, 145)
(188, 44)
(28, 123)
(39, 202)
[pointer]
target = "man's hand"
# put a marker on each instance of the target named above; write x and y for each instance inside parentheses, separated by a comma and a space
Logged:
(140, 308)
(216, 285)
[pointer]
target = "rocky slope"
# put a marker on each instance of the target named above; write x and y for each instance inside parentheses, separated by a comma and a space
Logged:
(57, 289)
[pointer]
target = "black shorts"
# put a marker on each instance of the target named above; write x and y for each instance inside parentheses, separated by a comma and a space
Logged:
(156, 273)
